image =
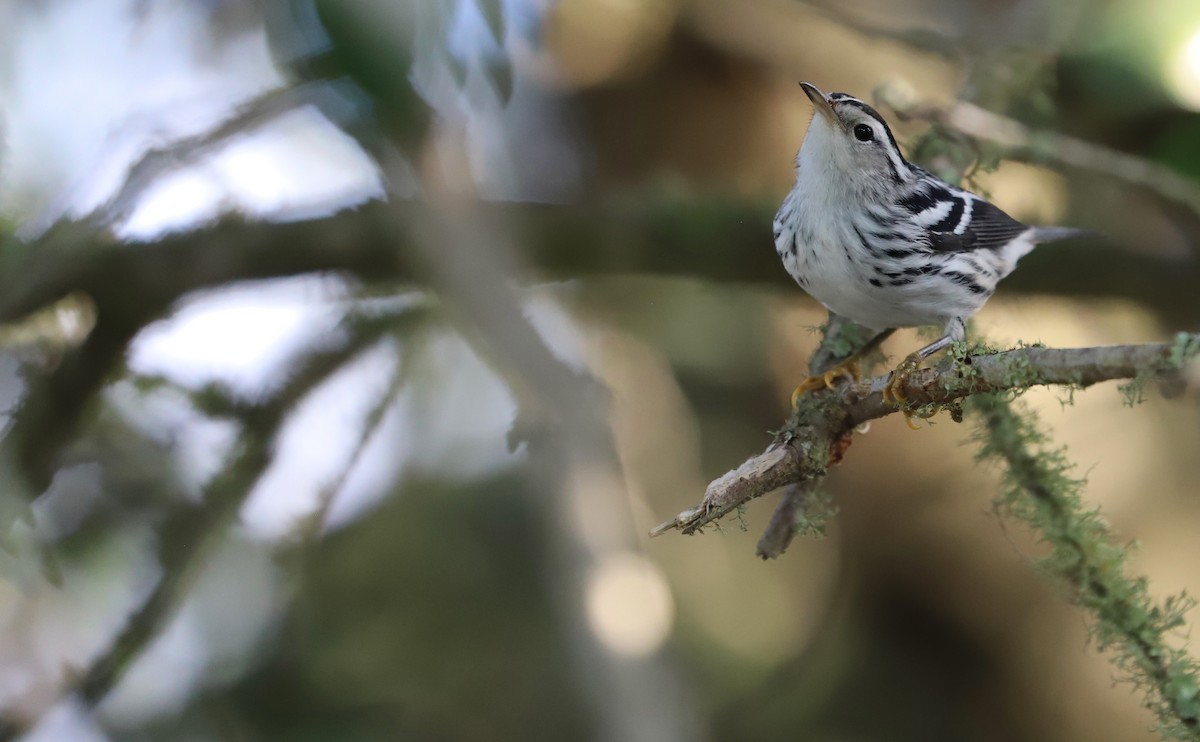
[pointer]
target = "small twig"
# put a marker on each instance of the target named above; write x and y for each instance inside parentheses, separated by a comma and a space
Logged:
(159, 161)
(781, 529)
(311, 528)
(819, 431)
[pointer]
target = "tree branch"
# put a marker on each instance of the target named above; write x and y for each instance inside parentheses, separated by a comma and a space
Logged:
(1025, 144)
(781, 529)
(1038, 489)
(188, 528)
(130, 284)
(928, 40)
(708, 240)
(171, 157)
(820, 431)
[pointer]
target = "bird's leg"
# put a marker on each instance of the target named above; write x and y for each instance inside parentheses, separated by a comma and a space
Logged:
(955, 330)
(847, 367)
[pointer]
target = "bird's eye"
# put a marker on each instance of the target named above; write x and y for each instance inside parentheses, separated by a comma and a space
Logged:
(863, 133)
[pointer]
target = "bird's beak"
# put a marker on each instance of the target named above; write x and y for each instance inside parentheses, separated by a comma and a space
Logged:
(820, 105)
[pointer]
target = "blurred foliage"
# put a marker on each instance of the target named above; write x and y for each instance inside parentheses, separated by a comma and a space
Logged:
(367, 42)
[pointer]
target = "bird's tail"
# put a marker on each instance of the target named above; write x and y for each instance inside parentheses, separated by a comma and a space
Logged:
(1034, 236)
(1055, 234)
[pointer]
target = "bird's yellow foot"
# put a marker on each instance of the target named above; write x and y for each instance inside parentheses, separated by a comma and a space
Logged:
(891, 392)
(845, 369)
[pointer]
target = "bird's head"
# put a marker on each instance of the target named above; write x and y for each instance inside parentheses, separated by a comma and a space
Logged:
(849, 143)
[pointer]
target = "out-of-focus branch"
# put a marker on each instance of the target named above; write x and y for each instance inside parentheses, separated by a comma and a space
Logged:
(1042, 146)
(53, 403)
(130, 284)
(1040, 491)
(924, 39)
(190, 527)
(781, 529)
(820, 430)
(178, 153)
(718, 240)
(160, 161)
(563, 421)
(311, 528)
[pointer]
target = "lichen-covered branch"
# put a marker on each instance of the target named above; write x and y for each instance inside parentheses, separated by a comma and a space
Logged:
(821, 429)
(803, 509)
(795, 513)
(1040, 491)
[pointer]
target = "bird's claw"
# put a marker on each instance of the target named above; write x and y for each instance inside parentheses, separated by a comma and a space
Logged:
(892, 393)
(846, 369)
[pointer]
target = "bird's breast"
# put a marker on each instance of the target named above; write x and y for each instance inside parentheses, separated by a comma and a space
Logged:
(840, 257)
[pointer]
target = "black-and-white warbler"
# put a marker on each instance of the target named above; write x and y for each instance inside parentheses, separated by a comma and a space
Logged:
(885, 243)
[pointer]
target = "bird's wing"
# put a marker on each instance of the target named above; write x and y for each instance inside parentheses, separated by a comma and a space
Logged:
(953, 220)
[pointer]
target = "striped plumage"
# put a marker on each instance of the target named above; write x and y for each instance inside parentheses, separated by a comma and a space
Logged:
(883, 242)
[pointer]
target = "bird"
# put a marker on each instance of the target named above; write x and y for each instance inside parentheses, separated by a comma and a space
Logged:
(885, 243)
